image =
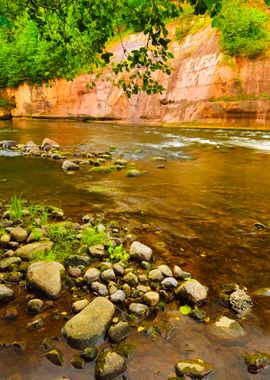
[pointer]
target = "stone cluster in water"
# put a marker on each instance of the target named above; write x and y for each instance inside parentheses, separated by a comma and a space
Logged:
(100, 162)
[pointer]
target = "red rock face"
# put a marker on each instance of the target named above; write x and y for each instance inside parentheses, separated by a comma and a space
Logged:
(204, 87)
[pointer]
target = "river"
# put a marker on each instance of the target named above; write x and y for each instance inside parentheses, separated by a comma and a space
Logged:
(199, 211)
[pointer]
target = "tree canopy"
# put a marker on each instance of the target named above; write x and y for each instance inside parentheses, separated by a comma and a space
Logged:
(45, 39)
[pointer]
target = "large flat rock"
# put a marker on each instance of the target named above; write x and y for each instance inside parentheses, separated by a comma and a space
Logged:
(90, 326)
(46, 277)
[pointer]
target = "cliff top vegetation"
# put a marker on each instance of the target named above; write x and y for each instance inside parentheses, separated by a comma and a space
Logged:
(45, 39)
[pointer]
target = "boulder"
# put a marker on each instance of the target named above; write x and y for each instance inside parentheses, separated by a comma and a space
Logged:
(70, 165)
(191, 292)
(46, 277)
(6, 293)
(28, 251)
(109, 365)
(18, 234)
(90, 326)
(195, 369)
(141, 251)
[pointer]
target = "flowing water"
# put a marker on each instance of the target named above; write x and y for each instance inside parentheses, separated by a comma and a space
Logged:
(199, 212)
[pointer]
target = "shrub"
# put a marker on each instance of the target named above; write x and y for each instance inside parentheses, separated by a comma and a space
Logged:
(244, 29)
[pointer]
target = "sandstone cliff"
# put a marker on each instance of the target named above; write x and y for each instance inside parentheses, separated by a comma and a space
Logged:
(205, 87)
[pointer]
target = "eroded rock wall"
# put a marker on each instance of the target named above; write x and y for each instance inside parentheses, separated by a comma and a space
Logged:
(204, 87)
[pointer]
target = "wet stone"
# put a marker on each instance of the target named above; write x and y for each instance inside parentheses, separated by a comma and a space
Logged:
(109, 365)
(79, 305)
(257, 361)
(226, 327)
(89, 353)
(35, 325)
(165, 270)
(91, 275)
(155, 275)
(169, 283)
(118, 296)
(6, 293)
(195, 369)
(101, 289)
(131, 279)
(119, 331)
(9, 261)
(140, 251)
(108, 275)
(78, 362)
(191, 292)
(18, 234)
(97, 250)
(138, 308)
(11, 313)
(151, 298)
(70, 165)
(55, 356)
(35, 306)
(76, 260)
(240, 302)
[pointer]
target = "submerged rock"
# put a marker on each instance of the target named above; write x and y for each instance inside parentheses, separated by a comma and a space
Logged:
(90, 325)
(191, 292)
(133, 173)
(195, 369)
(226, 327)
(46, 277)
(109, 365)
(35, 306)
(257, 361)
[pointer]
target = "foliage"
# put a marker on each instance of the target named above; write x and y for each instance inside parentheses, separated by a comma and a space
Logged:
(59, 253)
(190, 23)
(117, 253)
(91, 236)
(62, 232)
(244, 29)
(38, 212)
(15, 207)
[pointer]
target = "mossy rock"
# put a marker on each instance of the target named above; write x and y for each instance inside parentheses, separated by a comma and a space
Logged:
(133, 173)
(256, 362)
(55, 357)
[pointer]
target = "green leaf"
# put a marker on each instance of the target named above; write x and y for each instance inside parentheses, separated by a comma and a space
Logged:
(267, 2)
(185, 309)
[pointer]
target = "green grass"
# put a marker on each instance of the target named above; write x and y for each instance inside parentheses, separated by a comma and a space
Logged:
(231, 98)
(244, 29)
(16, 207)
(117, 253)
(91, 236)
(62, 231)
(59, 252)
(38, 211)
